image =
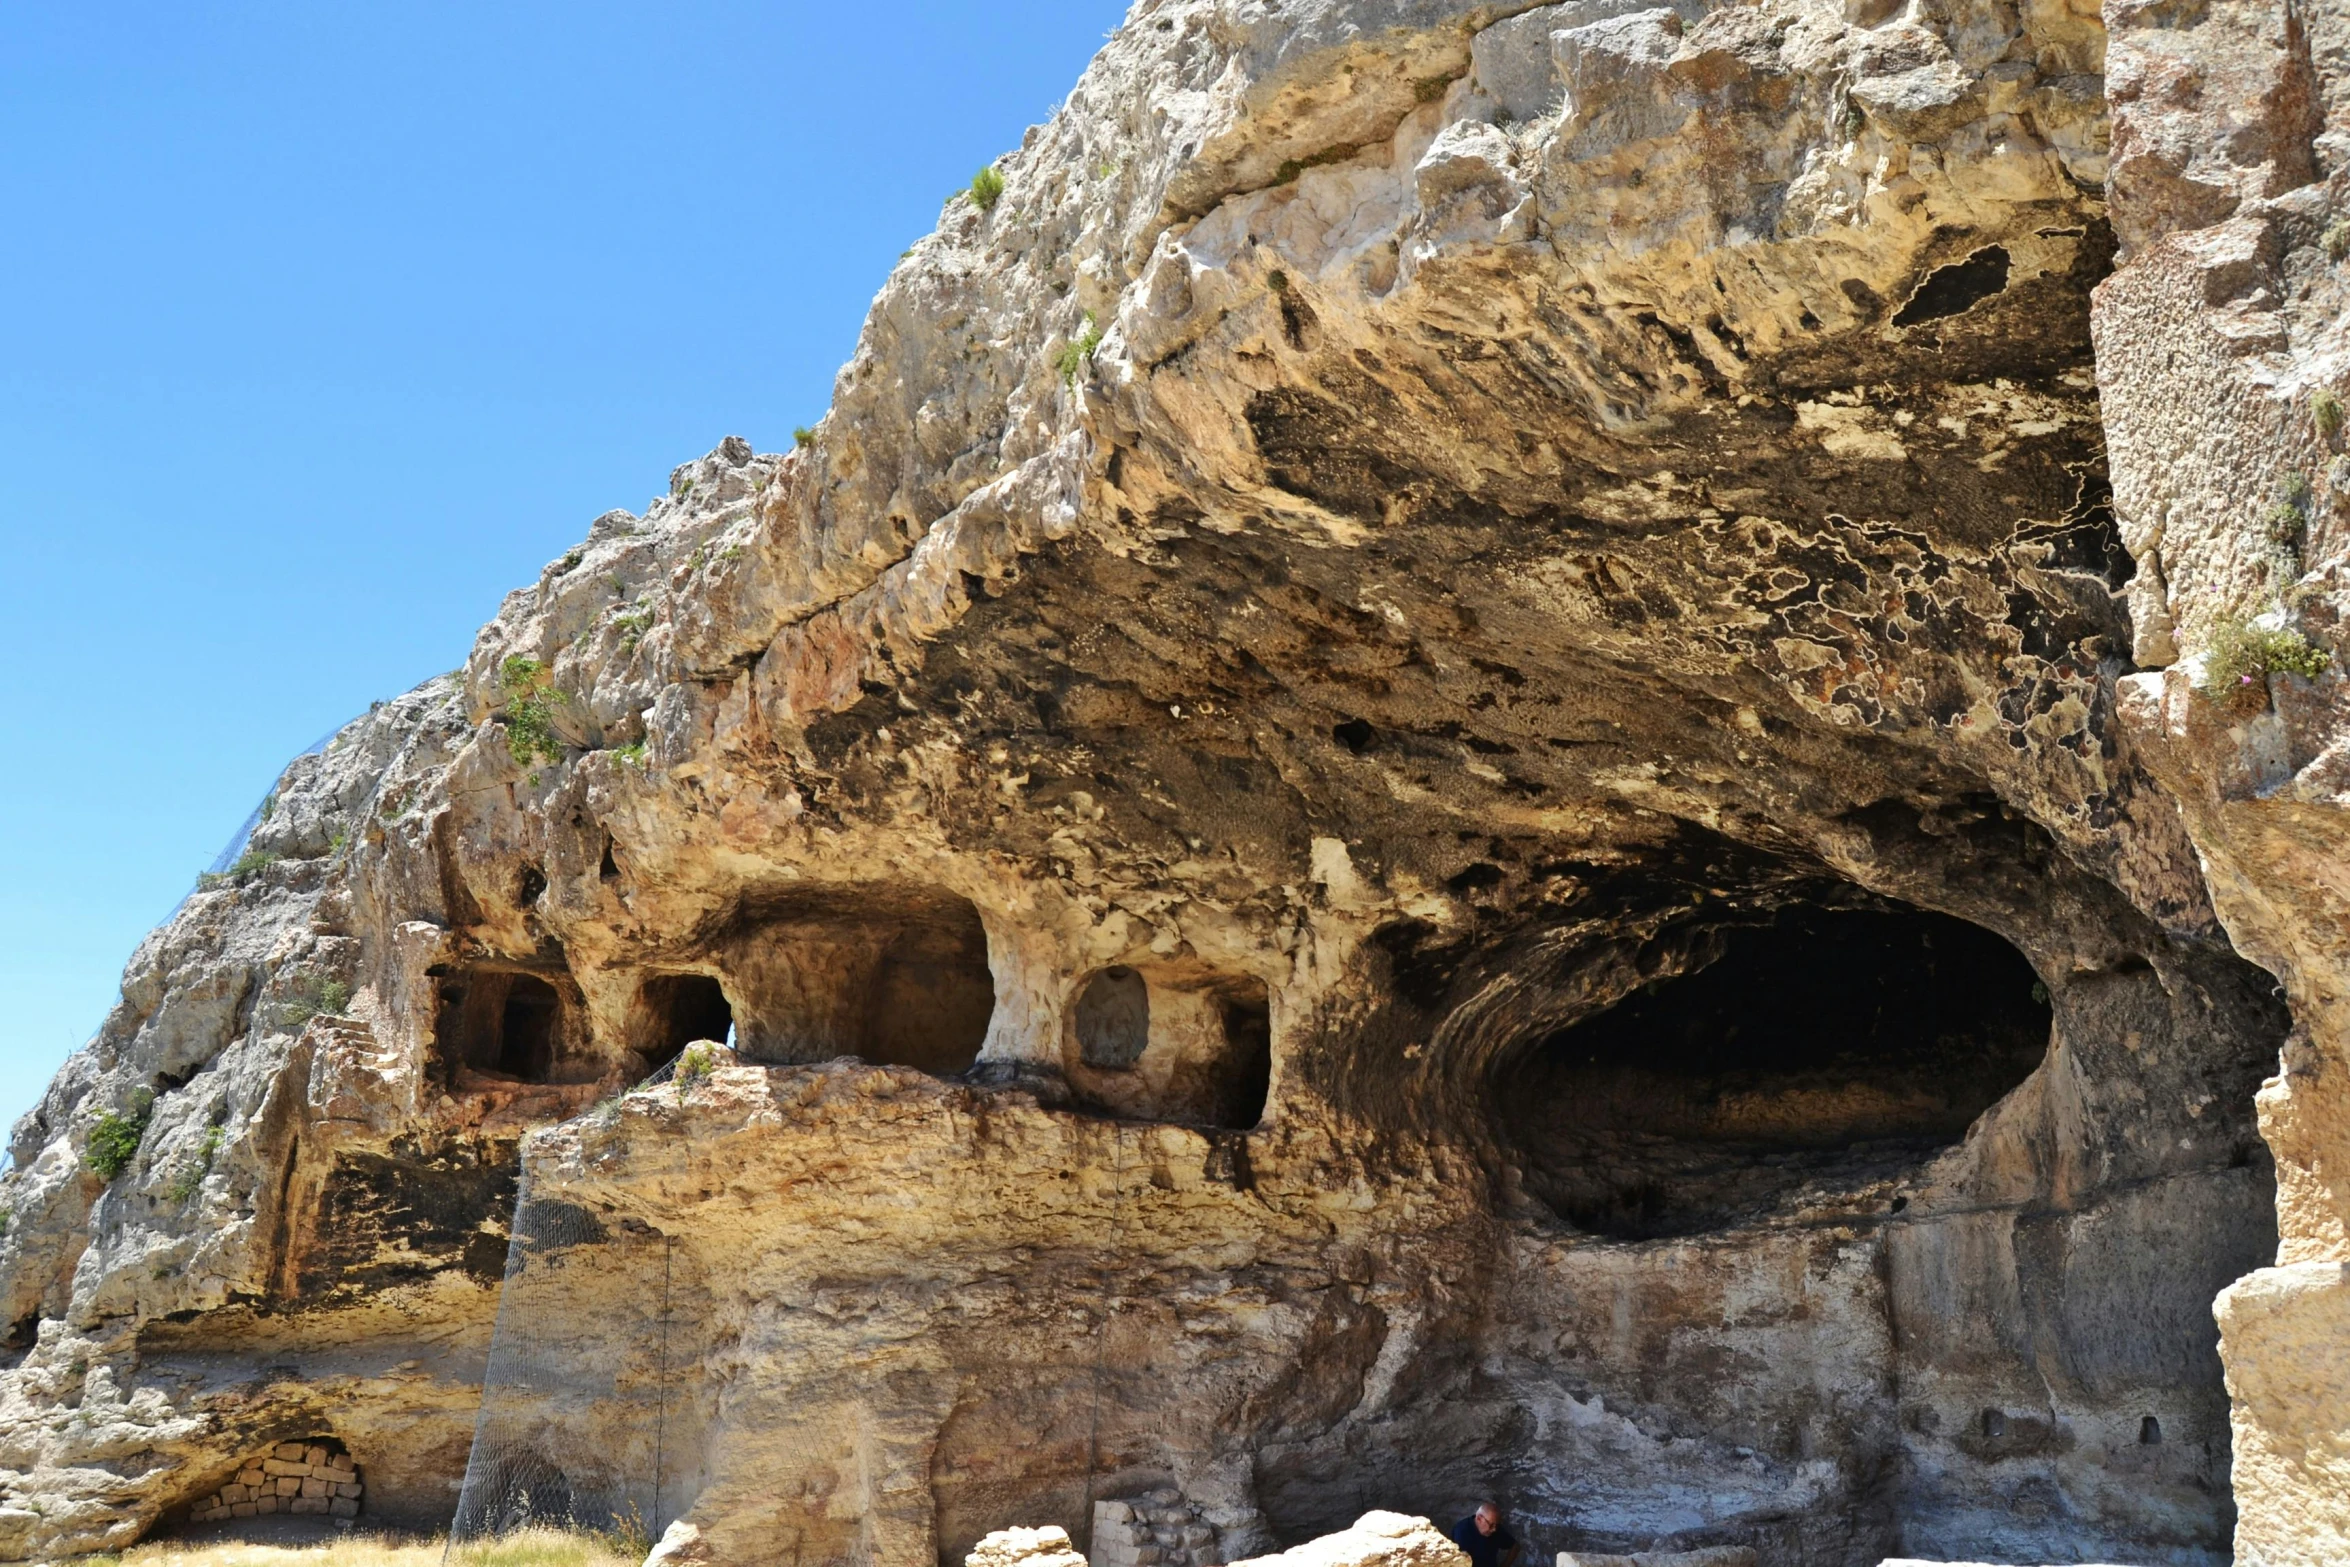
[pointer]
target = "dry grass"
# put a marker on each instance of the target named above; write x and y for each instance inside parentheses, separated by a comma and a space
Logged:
(528, 1548)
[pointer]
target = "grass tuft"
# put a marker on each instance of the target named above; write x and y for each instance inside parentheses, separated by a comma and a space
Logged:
(987, 188)
(2337, 240)
(524, 1548)
(246, 864)
(2325, 408)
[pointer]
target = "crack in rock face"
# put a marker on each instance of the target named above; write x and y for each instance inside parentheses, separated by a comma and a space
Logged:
(1424, 794)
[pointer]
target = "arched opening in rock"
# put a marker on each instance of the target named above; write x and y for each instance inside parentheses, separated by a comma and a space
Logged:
(1812, 1060)
(895, 975)
(1173, 1042)
(506, 1023)
(932, 996)
(1114, 1019)
(675, 1010)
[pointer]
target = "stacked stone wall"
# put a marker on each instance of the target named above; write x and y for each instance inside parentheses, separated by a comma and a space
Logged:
(300, 1478)
(1158, 1530)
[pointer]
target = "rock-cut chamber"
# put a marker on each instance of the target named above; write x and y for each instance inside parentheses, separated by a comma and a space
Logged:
(1816, 1058)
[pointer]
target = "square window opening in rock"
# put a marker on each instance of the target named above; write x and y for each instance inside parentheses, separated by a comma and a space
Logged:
(676, 1010)
(503, 1023)
(893, 975)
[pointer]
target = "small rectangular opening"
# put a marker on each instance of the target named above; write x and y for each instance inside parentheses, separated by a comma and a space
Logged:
(679, 1010)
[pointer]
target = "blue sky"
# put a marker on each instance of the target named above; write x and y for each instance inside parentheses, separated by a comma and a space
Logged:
(323, 325)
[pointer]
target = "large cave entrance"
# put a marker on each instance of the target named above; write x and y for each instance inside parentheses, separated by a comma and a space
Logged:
(1807, 1062)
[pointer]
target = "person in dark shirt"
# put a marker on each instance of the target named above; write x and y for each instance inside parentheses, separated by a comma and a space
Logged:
(1485, 1538)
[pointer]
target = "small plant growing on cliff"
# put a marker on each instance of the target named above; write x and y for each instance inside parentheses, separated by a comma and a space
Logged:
(311, 995)
(114, 1141)
(2337, 240)
(633, 753)
(987, 188)
(632, 627)
(1073, 355)
(697, 1063)
(802, 436)
(2325, 409)
(190, 1180)
(530, 714)
(246, 864)
(2243, 654)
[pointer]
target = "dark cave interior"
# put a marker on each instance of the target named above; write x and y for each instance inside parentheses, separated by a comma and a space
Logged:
(1819, 1056)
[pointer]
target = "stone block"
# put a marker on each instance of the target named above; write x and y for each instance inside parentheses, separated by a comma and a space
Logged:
(251, 1475)
(1712, 1556)
(1378, 1539)
(243, 1510)
(314, 1454)
(350, 1488)
(1046, 1547)
(266, 1505)
(232, 1493)
(344, 1507)
(282, 1467)
(315, 1487)
(289, 1452)
(289, 1485)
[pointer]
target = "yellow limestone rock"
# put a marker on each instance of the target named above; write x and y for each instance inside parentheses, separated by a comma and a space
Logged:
(1046, 1547)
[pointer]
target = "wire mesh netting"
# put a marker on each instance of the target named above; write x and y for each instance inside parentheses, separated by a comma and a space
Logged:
(235, 848)
(575, 1406)
(613, 1373)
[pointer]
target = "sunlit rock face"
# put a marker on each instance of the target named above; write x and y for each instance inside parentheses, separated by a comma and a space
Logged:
(1420, 796)
(2222, 352)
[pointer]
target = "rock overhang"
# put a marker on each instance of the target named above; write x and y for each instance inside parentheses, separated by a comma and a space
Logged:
(1533, 471)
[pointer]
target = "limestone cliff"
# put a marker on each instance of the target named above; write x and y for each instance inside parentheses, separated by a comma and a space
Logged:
(2223, 355)
(1438, 783)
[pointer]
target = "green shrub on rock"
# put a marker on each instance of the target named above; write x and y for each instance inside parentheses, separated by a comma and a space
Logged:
(2242, 655)
(114, 1141)
(530, 716)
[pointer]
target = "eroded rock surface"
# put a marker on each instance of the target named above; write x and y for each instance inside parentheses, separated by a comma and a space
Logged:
(1421, 795)
(2223, 357)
